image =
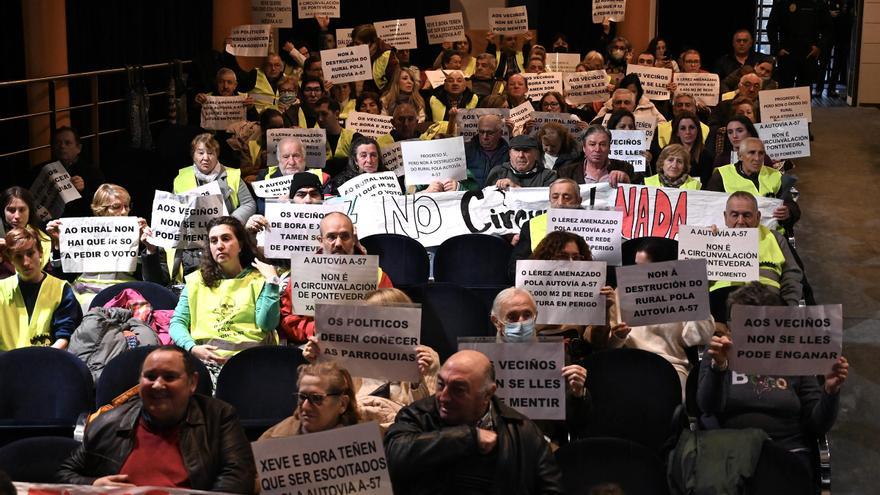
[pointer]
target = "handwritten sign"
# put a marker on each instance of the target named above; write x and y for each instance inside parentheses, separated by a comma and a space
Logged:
(613, 10)
(378, 184)
(306, 9)
(586, 87)
(566, 292)
(294, 228)
(444, 28)
(219, 112)
(399, 33)
(314, 139)
(512, 20)
(655, 80)
(520, 114)
(543, 83)
(342, 65)
(705, 87)
(665, 292)
(435, 160)
(785, 139)
(99, 244)
(785, 340)
(250, 40)
(629, 146)
(368, 124)
(785, 104)
(600, 228)
(730, 254)
(330, 278)
(52, 189)
(277, 13)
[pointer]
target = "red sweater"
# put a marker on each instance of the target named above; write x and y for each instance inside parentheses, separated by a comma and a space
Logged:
(155, 459)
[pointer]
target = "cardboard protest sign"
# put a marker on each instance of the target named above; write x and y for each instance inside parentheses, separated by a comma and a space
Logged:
(541, 84)
(562, 62)
(785, 104)
(613, 10)
(371, 341)
(330, 278)
(730, 254)
(655, 80)
(666, 292)
(600, 228)
(704, 86)
(314, 139)
(399, 33)
(468, 121)
(52, 189)
(307, 9)
(219, 112)
(347, 460)
(444, 27)
(392, 157)
(566, 292)
(785, 340)
(630, 147)
(513, 20)
(519, 114)
(278, 13)
(180, 221)
(528, 375)
(368, 124)
(435, 160)
(785, 139)
(342, 65)
(99, 244)
(378, 184)
(571, 122)
(294, 228)
(343, 37)
(647, 124)
(249, 40)
(272, 188)
(586, 87)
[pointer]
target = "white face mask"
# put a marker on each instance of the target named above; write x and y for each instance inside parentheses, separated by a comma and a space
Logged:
(521, 331)
(617, 54)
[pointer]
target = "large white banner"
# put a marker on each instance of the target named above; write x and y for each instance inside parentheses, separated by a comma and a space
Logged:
(99, 244)
(566, 292)
(665, 292)
(330, 278)
(655, 80)
(444, 27)
(349, 64)
(52, 190)
(600, 228)
(278, 13)
(730, 254)
(294, 228)
(250, 40)
(219, 112)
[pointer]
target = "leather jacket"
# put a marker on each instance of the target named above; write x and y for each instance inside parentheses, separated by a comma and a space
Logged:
(423, 452)
(215, 450)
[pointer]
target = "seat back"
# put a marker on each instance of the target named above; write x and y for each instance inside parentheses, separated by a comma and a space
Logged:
(404, 259)
(36, 459)
(635, 396)
(592, 462)
(780, 471)
(158, 296)
(473, 260)
(668, 248)
(123, 372)
(718, 303)
(43, 385)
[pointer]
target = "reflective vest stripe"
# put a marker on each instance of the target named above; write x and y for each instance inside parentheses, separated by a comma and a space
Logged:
(691, 183)
(769, 181)
(537, 229)
(771, 260)
(664, 133)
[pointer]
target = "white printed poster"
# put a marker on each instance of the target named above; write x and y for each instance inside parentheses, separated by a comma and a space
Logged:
(600, 228)
(278, 13)
(566, 292)
(586, 87)
(314, 139)
(330, 278)
(250, 40)
(468, 121)
(435, 160)
(704, 86)
(665, 292)
(378, 184)
(785, 104)
(99, 244)
(349, 64)
(343, 37)
(512, 20)
(294, 228)
(392, 157)
(306, 9)
(180, 221)
(543, 83)
(785, 139)
(399, 33)
(444, 28)
(52, 189)
(219, 112)
(613, 10)
(655, 80)
(273, 188)
(730, 254)
(562, 62)
(368, 124)
(629, 146)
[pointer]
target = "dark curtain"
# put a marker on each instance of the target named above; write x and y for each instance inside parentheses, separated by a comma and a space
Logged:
(13, 101)
(573, 19)
(692, 24)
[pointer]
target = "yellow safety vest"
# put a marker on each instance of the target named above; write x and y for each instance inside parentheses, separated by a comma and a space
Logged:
(343, 146)
(728, 96)
(691, 183)
(345, 110)
(17, 330)
(186, 180)
(226, 312)
(470, 67)
(770, 258)
(262, 87)
(379, 67)
(769, 181)
(438, 109)
(664, 133)
(519, 59)
(538, 229)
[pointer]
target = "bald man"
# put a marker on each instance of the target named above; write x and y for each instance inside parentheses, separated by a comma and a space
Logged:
(464, 440)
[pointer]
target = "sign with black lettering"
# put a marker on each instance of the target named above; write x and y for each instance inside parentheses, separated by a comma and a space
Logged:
(785, 139)
(306, 9)
(630, 147)
(342, 65)
(541, 84)
(655, 80)
(528, 375)
(219, 112)
(600, 228)
(572, 123)
(665, 292)
(368, 124)
(330, 278)
(785, 340)
(562, 62)
(469, 121)
(392, 157)
(730, 254)
(705, 87)
(566, 292)
(435, 160)
(294, 228)
(99, 244)
(273, 188)
(785, 104)
(613, 10)
(513, 20)
(343, 37)
(250, 40)
(378, 184)
(371, 341)
(180, 221)
(52, 190)
(348, 460)
(278, 13)
(586, 87)
(444, 28)
(399, 33)
(314, 140)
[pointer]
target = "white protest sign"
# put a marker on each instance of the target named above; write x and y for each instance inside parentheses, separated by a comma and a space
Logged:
(614, 10)
(250, 40)
(566, 292)
(343, 37)
(571, 122)
(294, 228)
(655, 80)
(307, 9)
(52, 189)
(562, 62)
(785, 139)
(340, 460)
(629, 146)
(468, 121)
(785, 104)
(444, 27)
(513, 20)
(272, 188)
(600, 228)
(519, 114)
(730, 254)
(330, 278)
(342, 65)
(586, 87)
(371, 341)
(541, 84)
(180, 221)
(277, 13)
(209, 189)
(785, 340)
(219, 112)
(392, 157)
(528, 375)
(314, 139)
(399, 33)
(649, 125)
(665, 292)
(378, 184)
(368, 124)
(437, 78)
(99, 244)
(435, 160)
(704, 86)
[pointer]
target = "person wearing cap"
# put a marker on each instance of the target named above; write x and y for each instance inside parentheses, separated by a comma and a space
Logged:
(523, 168)
(305, 188)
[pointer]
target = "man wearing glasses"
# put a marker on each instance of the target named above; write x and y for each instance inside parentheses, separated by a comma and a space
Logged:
(488, 151)
(749, 86)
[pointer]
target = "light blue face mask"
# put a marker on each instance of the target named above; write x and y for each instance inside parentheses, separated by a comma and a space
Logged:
(520, 331)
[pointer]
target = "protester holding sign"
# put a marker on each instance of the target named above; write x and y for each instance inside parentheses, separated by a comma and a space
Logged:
(596, 166)
(403, 89)
(792, 410)
(453, 95)
(523, 168)
(19, 211)
(509, 59)
(260, 83)
(464, 439)
(673, 169)
(558, 146)
(84, 175)
(382, 56)
(338, 138)
(226, 83)
(35, 307)
(231, 302)
(365, 158)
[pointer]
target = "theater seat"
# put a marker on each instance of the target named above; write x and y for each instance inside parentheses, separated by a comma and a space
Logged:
(404, 259)
(37, 459)
(473, 260)
(158, 296)
(588, 463)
